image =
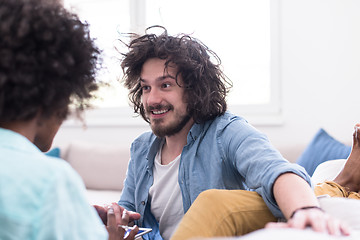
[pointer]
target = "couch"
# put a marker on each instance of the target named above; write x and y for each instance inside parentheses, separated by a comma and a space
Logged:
(102, 168)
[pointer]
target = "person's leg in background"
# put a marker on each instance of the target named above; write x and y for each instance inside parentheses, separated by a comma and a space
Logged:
(333, 189)
(347, 182)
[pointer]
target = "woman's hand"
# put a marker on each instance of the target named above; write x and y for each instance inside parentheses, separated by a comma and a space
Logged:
(117, 218)
(102, 211)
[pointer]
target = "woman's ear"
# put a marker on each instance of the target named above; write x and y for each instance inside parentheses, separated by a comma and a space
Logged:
(62, 113)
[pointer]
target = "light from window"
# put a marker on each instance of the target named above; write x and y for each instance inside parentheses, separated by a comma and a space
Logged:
(237, 30)
(107, 19)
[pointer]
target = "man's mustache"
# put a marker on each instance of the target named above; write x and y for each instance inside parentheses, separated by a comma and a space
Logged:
(159, 107)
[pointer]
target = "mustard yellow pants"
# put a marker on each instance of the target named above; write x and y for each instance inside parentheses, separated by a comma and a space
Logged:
(226, 213)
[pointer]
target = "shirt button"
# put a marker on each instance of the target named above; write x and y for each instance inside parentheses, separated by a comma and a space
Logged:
(143, 202)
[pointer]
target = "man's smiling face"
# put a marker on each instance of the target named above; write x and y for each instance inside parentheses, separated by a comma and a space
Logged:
(163, 98)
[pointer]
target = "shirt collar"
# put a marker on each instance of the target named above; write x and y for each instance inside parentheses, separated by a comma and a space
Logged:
(11, 139)
(195, 132)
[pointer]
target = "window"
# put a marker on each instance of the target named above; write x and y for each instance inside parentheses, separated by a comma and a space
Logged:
(237, 30)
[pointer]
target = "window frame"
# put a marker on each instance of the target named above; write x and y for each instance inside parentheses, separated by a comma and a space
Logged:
(269, 114)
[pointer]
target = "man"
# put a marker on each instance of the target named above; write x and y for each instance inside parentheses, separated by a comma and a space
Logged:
(196, 145)
(47, 62)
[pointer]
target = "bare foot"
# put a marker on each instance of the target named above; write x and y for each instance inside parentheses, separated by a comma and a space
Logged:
(349, 177)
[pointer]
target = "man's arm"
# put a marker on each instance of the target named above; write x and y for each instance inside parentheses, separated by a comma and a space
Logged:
(292, 193)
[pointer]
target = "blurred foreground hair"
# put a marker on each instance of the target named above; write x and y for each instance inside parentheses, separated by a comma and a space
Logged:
(48, 59)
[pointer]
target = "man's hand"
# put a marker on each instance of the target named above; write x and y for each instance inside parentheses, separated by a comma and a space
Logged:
(293, 193)
(316, 219)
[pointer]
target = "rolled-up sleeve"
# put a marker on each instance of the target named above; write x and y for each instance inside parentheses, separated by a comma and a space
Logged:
(257, 161)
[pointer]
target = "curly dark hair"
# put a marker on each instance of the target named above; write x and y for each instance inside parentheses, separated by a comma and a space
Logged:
(48, 59)
(205, 85)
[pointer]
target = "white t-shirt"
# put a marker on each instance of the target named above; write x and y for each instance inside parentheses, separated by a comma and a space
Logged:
(166, 200)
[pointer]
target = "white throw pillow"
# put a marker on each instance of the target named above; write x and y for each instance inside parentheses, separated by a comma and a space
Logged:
(328, 170)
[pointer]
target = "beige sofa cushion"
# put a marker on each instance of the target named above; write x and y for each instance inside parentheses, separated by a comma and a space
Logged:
(102, 167)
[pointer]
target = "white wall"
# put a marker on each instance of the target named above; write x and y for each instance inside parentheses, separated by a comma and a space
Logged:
(320, 77)
(320, 70)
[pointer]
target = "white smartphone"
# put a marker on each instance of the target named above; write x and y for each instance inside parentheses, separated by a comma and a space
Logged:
(141, 231)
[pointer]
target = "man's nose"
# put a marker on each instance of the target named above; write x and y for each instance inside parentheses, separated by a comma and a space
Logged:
(154, 97)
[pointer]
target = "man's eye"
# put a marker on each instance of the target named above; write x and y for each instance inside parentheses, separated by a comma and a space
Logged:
(165, 85)
(145, 88)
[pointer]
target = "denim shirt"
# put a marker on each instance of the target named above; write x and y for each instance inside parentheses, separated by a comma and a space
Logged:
(224, 153)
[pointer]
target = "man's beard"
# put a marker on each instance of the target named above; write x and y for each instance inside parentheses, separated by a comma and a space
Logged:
(172, 128)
